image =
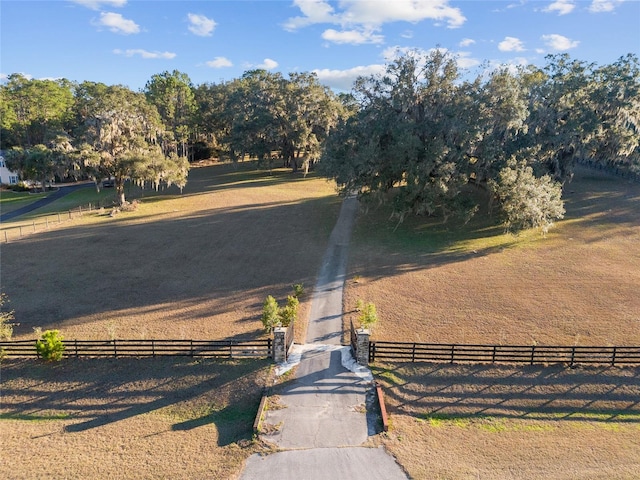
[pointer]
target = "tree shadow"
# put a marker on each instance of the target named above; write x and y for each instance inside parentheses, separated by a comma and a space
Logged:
(558, 393)
(91, 393)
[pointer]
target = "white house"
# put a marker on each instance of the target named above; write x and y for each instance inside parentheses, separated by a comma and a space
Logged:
(7, 177)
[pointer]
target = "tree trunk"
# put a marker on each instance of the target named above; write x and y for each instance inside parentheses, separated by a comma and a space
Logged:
(120, 191)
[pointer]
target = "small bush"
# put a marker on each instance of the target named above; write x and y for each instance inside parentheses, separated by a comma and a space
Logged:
(50, 346)
(298, 290)
(288, 313)
(270, 318)
(369, 316)
(6, 326)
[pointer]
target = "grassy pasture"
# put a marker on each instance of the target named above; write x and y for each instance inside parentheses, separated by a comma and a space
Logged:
(128, 418)
(199, 264)
(496, 422)
(192, 265)
(474, 284)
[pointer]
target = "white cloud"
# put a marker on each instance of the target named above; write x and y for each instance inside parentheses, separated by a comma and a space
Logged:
(144, 53)
(512, 65)
(563, 7)
(465, 60)
(314, 11)
(465, 42)
(558, 42)
(219, 62)
(353, 37)
(374, 14)
(511, 44)
(116, 23)
(201, 25)
(268, 64)
(343, 79)
(97, 4)
(407, 34)
(599, 6)
(4, 77)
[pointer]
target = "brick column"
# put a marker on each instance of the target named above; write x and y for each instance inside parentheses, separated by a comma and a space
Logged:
(362, 346)
(279, 345)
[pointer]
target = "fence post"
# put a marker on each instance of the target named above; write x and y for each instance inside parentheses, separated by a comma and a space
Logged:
(362, 346)
(279, 345)
(6, 239)
(453, 352)
(573, 355)
(115, 348)
(533, 352)
(613, 357)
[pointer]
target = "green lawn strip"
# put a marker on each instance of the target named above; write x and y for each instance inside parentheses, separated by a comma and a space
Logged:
(535, 421)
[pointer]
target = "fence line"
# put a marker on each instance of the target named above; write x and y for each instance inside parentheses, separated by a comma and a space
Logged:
(529, 354)
(15, 233)
(148, 348)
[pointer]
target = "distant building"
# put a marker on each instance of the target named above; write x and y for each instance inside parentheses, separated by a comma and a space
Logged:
(7, 177)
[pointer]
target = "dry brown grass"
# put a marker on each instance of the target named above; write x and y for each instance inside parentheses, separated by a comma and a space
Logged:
(199, 265)
(196, 265)
(473, 284)
(128, 418)
(490, 422)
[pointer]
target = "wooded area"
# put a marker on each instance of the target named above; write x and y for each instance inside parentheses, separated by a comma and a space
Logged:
(423, 135)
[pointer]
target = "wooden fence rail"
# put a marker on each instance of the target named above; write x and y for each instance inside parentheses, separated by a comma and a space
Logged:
(148, 348)
(529, 354)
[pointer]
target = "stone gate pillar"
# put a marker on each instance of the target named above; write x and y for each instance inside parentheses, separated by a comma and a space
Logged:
(362, 346)
(279, 345)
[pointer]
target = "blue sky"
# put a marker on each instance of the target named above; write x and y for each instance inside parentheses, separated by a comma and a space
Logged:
(127, 41)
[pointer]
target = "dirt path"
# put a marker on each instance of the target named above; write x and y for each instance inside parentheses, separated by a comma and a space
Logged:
(320, 416)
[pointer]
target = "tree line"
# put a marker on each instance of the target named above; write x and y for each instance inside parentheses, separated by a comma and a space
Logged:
(433, 143)
(65, 130)
(421, 135)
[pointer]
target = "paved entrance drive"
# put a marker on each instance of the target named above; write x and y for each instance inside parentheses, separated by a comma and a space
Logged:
(320, 415)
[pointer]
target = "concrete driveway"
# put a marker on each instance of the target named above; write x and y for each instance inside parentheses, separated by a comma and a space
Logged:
(320, 418)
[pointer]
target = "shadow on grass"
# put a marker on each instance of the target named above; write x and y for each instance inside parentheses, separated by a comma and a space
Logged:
(91, 393)
(445, 392)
